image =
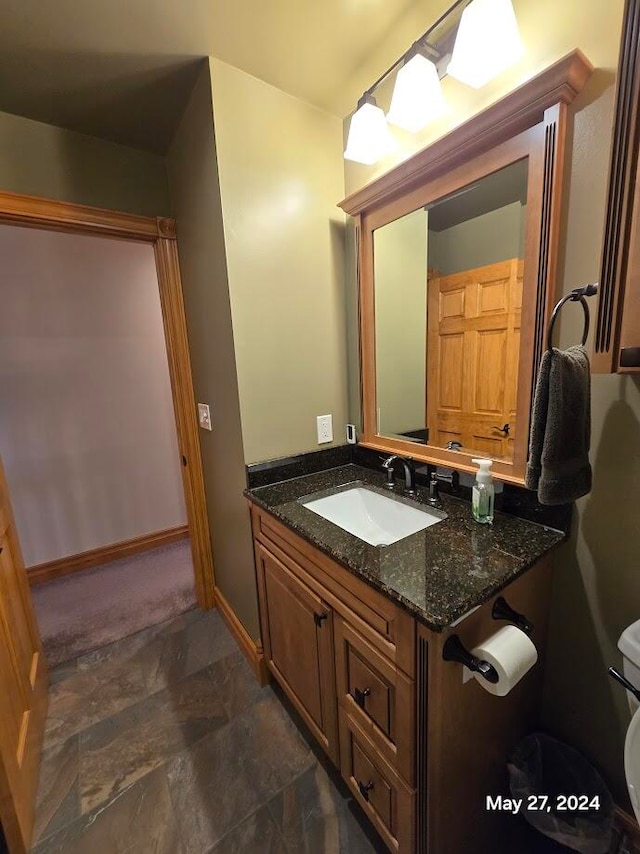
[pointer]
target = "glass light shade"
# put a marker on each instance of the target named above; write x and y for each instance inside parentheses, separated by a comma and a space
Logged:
(417, 95)
(487, 43)
(369, 135)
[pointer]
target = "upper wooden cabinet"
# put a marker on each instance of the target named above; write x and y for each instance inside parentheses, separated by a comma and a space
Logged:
(457, 252)
(616, 345)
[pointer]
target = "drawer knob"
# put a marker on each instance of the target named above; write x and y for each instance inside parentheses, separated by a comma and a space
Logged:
(365, 788)
(360, 696)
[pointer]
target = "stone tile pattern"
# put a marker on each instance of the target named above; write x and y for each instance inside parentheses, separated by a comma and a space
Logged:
(438, 574)
(165, 742)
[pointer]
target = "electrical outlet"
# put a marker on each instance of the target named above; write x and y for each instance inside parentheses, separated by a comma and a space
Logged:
(325, 428)
(204, 416)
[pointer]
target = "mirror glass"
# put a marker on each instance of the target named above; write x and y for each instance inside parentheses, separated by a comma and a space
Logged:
(448, 298)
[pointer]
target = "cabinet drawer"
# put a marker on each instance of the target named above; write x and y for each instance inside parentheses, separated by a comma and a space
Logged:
(383, 795)
(377, 695)
(387, 626)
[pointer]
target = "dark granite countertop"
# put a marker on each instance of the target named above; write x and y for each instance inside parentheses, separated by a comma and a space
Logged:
(438, 574)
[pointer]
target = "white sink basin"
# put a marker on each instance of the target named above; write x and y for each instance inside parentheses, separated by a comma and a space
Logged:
(372, 517)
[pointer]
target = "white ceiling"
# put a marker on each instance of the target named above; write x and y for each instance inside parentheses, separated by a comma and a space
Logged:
(122, 69)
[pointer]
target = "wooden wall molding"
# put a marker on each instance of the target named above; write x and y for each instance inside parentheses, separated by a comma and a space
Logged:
(619, 212)
(104, 554)
(516, 112)
(81, 219)
(253, 651)
(160, 232)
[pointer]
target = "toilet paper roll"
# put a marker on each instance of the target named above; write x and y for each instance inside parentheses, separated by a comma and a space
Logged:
(512, 653)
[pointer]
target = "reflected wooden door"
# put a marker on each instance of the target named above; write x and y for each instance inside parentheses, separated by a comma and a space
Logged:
(23, 688)
(473, 343)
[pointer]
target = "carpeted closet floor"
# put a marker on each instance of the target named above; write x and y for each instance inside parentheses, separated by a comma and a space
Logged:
(90, 609)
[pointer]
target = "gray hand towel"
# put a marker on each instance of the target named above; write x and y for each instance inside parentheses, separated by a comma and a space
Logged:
(558, 466)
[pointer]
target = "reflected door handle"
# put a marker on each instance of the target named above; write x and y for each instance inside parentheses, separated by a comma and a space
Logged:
(504, 429)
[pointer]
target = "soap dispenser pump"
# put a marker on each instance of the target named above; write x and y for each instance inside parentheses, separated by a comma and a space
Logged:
(483, 494)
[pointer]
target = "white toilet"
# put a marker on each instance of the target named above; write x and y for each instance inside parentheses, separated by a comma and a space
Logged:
(629, 646)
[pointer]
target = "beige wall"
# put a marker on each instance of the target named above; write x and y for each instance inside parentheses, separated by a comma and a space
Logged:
(87, 431)
(281, 177)
(42, 160)
(486, 239)
(195, 194)
(597, 584)
(400, 271)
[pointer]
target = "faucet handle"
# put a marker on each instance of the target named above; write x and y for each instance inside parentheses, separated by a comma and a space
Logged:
(388, 465)
(433, 488)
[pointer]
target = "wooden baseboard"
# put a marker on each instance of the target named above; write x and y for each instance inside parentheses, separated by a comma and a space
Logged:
(252, 650)
(85, 560)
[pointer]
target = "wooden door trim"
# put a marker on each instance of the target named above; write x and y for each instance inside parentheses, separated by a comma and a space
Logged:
(160, 232)
(82, 219)
(18, 817)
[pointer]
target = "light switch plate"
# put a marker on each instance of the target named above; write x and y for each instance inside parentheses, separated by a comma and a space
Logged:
(325, 429)
(204, 416)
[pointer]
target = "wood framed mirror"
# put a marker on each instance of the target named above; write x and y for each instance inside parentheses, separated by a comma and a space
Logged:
(457, 251)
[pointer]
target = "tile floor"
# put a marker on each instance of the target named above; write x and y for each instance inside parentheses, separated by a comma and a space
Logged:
(164, 742)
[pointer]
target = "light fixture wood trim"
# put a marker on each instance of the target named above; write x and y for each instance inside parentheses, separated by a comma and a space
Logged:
(160, 232)
(521, 109)
(104, 554)
(252, 650)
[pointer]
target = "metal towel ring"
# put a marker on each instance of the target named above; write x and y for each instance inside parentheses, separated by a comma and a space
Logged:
(576, 295)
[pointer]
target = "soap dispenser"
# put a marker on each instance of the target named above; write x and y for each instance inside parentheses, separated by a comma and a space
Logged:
(483, 494)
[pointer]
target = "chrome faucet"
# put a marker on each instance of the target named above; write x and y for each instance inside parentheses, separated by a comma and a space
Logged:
(436, 479)
(409, 473)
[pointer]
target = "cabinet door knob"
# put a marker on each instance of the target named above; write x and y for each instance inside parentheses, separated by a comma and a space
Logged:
(360, 696)
(365, 788)
(319, 618)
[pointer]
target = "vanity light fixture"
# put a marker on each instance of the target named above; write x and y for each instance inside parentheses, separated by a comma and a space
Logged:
(417, 95)
(488, 42)
(369, 135)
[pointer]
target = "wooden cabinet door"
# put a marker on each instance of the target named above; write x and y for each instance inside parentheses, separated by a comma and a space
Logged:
(23, 688)
(473, 346)
(297, 628)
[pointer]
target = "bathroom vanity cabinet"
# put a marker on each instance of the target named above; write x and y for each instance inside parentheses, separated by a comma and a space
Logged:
(419, 748)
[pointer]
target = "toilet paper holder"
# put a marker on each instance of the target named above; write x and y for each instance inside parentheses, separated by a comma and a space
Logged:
(455, 650)
(502, 610)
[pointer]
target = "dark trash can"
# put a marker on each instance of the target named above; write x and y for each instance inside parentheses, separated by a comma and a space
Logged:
(563, 796)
